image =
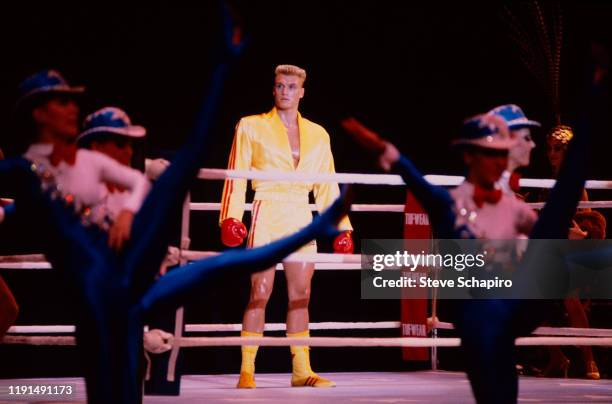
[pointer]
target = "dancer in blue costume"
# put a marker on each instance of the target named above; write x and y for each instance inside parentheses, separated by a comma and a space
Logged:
(116, 290)
(109, 332)
(488, 327)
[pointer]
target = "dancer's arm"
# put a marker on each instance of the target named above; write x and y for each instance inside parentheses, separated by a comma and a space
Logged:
(111, 171)
(151, 231)
(435, 200)
(177, 285)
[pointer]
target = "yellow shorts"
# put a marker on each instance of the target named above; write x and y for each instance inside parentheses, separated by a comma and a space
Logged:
(273, 220)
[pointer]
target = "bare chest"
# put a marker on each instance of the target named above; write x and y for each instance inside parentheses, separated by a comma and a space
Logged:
(293, 134)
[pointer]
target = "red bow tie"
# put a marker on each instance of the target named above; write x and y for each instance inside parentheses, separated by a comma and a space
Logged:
(513, 182)
(63, 152)
(482, 195)
(114, 188)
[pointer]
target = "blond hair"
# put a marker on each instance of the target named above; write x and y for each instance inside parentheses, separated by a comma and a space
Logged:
(291, 70)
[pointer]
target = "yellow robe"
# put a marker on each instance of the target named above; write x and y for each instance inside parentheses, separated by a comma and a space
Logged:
(280, 208)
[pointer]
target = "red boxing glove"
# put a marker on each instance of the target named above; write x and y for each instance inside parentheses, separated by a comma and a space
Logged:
(233, 232)
(343, 243)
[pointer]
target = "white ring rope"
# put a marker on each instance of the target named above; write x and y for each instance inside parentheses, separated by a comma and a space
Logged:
(378, 342)
(195, 255)
(582, 204)
(279, 267)
(25, 265)
(41, 329)
(379, 325)
(369, 179)
(23, 258)
(329, 325)
(67, 329)
(548, 331)
(295, 257)
(215, 206)
(38, 340)
(322, 261)
(190, 342)
(25, 261)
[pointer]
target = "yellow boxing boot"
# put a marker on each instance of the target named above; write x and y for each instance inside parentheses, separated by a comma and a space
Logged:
(302, 375)
(247, 368)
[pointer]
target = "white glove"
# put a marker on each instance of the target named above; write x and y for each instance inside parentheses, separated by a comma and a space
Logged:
(576, 233)
(522, 242)
(158, 341)
(155, 168)
(171, 259)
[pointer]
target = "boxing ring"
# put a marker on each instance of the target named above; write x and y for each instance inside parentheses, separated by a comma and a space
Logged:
(410, 387)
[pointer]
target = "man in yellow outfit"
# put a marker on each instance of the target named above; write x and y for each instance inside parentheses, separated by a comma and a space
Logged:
(280, 140)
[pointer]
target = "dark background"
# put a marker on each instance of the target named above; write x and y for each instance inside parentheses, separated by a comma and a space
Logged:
(411, 70)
